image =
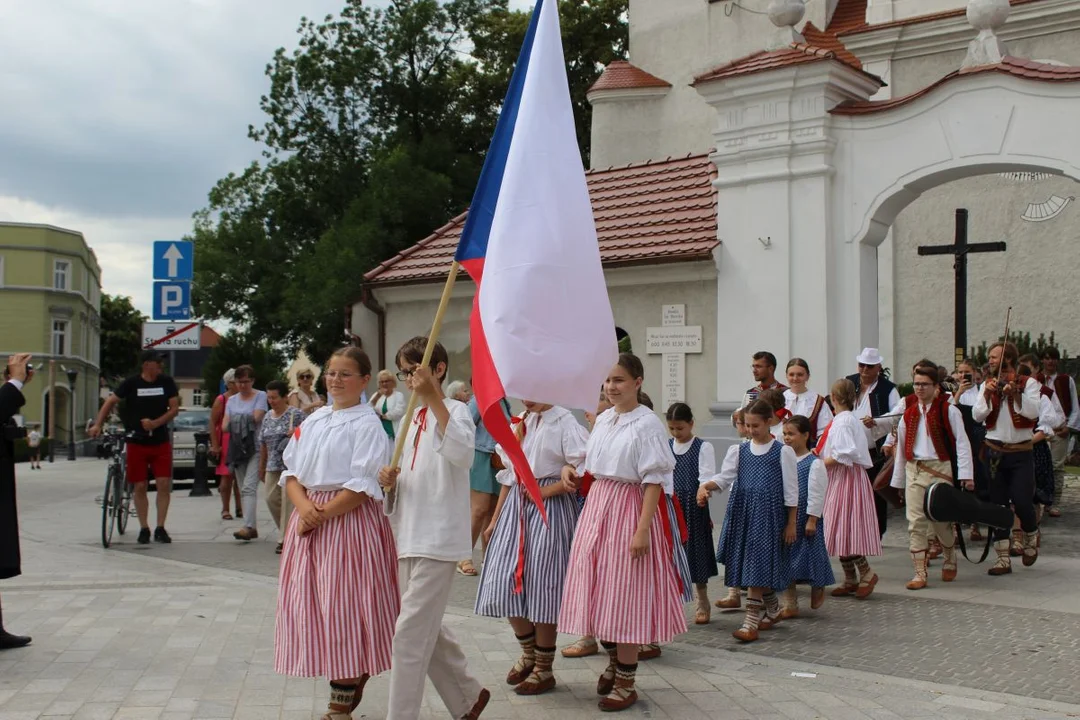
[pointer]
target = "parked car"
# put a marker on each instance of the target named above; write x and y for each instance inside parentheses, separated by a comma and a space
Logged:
(188, 422)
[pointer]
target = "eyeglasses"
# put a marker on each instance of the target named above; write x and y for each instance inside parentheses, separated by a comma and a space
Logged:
(244, 382)
(404, 375)
(306, 377)
(343, 374)
(922, 385)
(864, 366)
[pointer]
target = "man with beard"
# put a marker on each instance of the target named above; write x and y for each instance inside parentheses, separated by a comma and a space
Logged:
(1064, 388)
(875, 397)
(764, 369)
(11, 399)
(1009, 435)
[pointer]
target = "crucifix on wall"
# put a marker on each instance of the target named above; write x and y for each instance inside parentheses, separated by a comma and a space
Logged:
(673, 340)
(960, 250)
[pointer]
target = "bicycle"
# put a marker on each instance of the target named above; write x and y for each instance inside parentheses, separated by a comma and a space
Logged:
(116, 502)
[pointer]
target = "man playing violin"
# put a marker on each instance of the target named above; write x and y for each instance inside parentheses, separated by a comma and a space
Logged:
(1009, 406)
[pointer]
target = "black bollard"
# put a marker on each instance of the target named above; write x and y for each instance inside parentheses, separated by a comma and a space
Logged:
(200, 486)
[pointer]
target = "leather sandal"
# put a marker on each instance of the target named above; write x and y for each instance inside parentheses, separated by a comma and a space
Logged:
(478, 706)
(866, 587)
(582, 647)
(817, 597)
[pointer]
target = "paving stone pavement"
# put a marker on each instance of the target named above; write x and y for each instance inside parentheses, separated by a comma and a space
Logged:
(186, 631)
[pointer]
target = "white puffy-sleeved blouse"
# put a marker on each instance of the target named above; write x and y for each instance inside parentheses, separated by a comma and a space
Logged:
(630, 447)
(338, 450)
(804, 403)
(553, 439)
(847, 442)
(789, 468)
(816, 487)
(429, 507)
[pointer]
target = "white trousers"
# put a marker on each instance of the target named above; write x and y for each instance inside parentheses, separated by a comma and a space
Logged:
(423, 647)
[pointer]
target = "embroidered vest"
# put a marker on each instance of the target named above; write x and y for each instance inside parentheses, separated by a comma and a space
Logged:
(938, 427)
(1063, 390)
(813, 419)
(1019, 421)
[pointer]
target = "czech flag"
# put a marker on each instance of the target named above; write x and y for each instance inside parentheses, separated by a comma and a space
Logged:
(541, 326)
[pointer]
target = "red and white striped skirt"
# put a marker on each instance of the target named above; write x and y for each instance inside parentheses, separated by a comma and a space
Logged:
(850, 520)
(338, 597)
(609, 595)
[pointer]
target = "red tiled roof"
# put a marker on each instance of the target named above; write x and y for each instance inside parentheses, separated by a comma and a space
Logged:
(621, 75)
(819, 45)
(850, 17)
(208, 337)
(646, 213)
(1017, 67)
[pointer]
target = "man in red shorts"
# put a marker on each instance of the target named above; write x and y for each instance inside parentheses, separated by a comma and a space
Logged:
(151, 401)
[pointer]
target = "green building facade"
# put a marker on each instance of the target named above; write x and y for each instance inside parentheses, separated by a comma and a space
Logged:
(50, 306)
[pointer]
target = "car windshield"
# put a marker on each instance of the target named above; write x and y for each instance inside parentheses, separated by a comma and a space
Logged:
(194, 420)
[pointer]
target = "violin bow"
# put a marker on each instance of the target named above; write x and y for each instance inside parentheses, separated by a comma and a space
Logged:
(1008, 316)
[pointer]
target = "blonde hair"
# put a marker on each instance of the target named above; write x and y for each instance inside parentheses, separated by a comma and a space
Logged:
(386, 375)
(843, 391)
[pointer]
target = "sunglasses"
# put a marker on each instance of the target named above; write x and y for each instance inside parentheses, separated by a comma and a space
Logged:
(305, 377)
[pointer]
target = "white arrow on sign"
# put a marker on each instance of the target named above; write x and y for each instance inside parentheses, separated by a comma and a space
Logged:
(173, 256)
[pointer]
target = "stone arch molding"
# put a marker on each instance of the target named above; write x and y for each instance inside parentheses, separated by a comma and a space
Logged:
(969, 126)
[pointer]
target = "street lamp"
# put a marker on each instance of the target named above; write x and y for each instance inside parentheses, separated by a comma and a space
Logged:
(72, 374)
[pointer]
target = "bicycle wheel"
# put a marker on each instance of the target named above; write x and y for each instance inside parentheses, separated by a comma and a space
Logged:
(123, 512)
(108, 509)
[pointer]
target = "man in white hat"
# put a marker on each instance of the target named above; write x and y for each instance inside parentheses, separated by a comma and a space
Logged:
(875, 397)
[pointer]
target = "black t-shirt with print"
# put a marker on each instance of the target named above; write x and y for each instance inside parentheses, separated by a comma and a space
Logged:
(143, 399)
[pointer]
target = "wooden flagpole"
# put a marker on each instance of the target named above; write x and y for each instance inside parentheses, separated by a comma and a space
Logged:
(433, 336)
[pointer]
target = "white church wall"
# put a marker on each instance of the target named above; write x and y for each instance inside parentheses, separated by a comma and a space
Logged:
(882, 11)
(1038, 274)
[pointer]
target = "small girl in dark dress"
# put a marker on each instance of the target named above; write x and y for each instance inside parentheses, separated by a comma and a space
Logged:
(759, 527)
(809, 556)
(695, 461)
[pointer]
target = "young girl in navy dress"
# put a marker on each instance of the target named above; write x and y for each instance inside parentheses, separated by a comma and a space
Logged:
(338, 598)
(551, 438)
(621, 584)
(695, 461)
(851, 530)
(733, 599)
(760, 523)
(809, 557)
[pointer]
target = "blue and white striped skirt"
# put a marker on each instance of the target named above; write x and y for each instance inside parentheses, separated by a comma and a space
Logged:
(682, 565)
(547, 554)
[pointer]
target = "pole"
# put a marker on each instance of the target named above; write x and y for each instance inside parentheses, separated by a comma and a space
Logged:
(51, 430)
(436, 326)
(71, 433)
(960, 266)
(199, 486)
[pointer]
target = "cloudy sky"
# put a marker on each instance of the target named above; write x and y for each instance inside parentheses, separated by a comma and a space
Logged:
(119, 115)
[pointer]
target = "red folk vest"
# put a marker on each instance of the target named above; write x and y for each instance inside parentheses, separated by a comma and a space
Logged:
(1019, 421)
(939, 429)
(1061, 387)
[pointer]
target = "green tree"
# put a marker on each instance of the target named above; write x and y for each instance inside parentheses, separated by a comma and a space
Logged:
(1024, 344)
(121, 337)
(237, 348)
(374, 134)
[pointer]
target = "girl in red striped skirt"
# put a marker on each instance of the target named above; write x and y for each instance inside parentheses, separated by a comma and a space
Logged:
(851, 530)
(621, 584)
(519, 541)
(338, 598)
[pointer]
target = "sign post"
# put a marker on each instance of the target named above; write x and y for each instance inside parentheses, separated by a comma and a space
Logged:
(673, 341)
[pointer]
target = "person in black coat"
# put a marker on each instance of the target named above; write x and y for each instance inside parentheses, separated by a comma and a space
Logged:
(11, 399)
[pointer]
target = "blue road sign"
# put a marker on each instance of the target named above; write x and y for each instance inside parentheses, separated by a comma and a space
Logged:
(174, 260)
(172, 300)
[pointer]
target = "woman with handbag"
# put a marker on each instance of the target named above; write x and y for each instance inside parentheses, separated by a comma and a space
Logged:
(278, 426)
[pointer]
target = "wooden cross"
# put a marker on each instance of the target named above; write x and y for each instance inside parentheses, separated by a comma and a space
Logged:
(960, 250)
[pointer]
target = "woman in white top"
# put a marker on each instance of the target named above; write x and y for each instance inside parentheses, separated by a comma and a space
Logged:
(551, 438)
(621, 585)
(800, 401)
(388, 402)
(338, 599)
(851, 529)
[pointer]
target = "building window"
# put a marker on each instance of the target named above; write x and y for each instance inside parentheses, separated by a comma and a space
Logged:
(60, 274)
(60, 337)
(198, 397)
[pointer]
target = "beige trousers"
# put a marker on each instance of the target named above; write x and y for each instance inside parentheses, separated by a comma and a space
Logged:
(920, 528)
(423, 647)
(277, 500)
(1059, 449)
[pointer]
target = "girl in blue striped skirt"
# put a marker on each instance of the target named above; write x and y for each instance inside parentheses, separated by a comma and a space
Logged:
(551, 438)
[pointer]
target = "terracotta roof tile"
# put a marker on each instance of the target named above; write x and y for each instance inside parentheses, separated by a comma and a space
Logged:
(621, 75)
(663, 211)
(1017, 67)
(844, 19)
(819, 45)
